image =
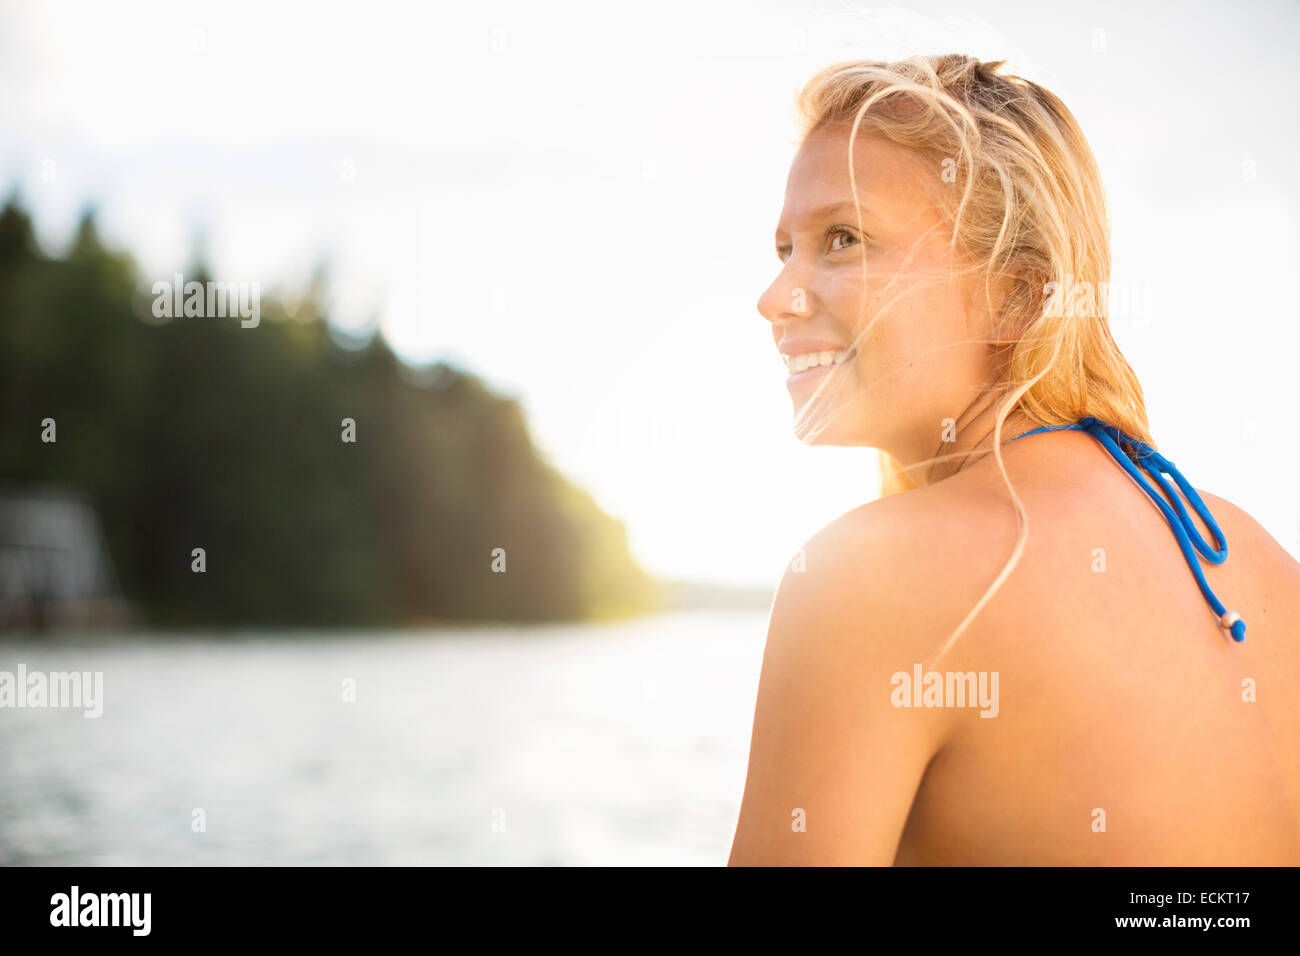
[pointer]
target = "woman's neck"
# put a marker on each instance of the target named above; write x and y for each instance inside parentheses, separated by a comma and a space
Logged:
(973, 440)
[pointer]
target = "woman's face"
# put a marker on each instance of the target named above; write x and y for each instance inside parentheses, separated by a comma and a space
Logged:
(907, 341)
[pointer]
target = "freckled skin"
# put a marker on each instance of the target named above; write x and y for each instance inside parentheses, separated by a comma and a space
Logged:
(1120, 699)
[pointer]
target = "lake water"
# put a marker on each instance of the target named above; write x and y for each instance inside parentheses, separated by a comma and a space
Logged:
(611, 744)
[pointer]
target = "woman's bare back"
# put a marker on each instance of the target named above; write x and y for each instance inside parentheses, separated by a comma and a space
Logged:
(1130, 730)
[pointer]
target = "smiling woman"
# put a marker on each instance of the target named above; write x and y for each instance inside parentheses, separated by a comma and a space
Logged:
(935, 211)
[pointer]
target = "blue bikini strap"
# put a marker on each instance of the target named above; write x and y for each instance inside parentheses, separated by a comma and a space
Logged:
(1185, 530)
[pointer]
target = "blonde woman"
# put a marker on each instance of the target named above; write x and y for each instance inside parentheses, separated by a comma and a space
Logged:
(1033, 649)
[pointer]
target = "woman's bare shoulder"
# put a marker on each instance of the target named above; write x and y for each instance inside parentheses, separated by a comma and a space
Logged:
(921, 559)
(1241, 528)
(850, 612)
(909, 562)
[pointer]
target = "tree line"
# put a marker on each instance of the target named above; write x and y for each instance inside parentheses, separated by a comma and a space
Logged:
(201, 432)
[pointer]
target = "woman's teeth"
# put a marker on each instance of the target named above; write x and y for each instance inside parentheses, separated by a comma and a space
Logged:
(806, 360)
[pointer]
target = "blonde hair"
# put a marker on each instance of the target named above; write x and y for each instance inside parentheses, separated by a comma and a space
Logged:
(1031, 210)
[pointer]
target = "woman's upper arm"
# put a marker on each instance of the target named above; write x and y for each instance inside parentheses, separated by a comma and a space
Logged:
(833, 764)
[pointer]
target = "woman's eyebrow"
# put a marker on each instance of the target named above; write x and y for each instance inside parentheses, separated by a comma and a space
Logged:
(826, 212)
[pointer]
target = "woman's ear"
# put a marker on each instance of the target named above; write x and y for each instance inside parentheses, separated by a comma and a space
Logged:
(1014, 310)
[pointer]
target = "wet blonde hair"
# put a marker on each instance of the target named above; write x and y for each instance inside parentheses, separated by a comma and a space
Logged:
(1030, 210)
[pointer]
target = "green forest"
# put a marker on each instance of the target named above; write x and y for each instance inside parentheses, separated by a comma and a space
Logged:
(198, 432)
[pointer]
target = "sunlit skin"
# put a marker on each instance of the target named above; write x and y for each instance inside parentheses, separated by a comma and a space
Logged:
(1122, 736)
(923, 356)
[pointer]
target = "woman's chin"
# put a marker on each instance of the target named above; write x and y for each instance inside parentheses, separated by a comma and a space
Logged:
(822, 399)
(821, 432)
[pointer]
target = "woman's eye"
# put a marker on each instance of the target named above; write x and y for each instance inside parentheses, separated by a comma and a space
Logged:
(836, 234)
(838, 238)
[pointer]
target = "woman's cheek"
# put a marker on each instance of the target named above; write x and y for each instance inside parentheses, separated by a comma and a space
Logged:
(844, 287)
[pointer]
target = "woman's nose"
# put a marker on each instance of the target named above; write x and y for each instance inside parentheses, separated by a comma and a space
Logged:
(784, 301)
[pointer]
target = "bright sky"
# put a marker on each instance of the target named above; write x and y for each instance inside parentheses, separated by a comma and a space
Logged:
(576, 200)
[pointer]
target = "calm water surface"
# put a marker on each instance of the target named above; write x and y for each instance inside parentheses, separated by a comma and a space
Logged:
(612, 744)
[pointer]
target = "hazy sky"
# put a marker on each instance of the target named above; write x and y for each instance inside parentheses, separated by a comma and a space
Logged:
(577, 200)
